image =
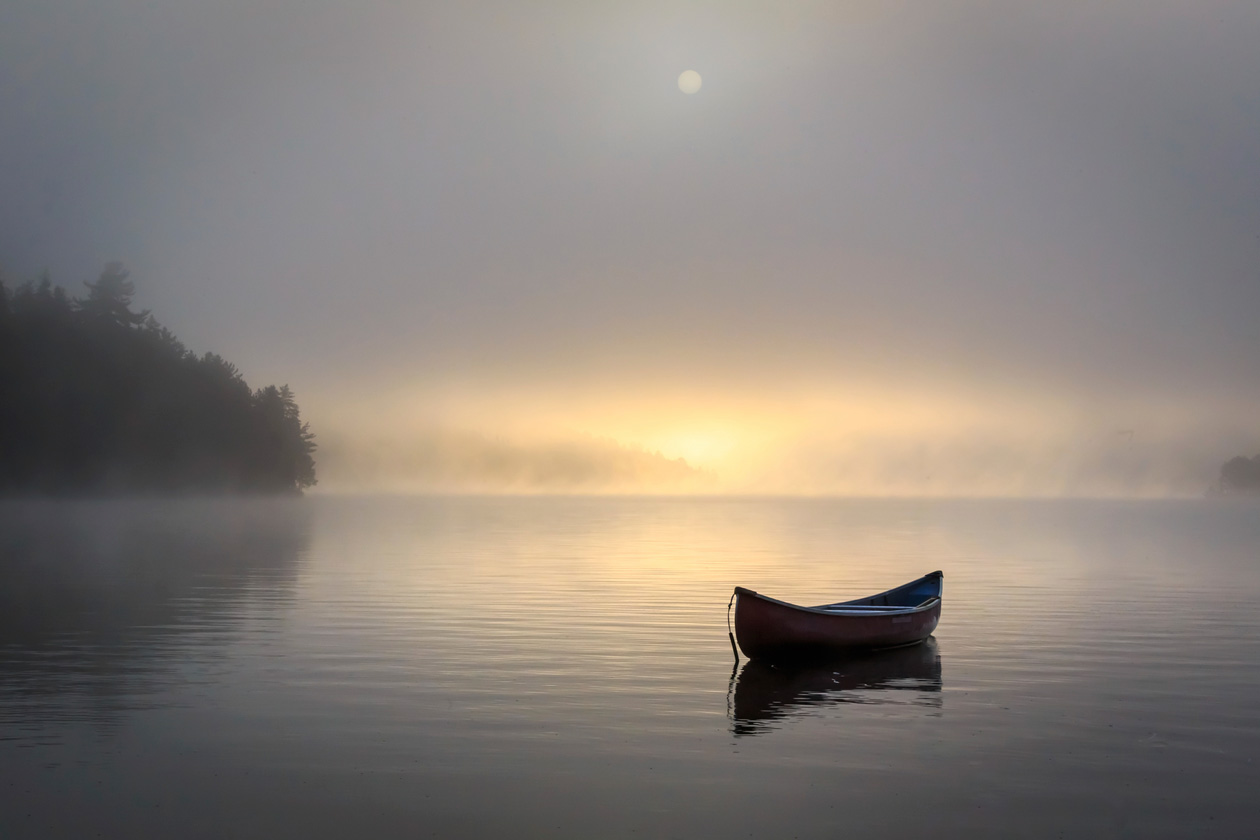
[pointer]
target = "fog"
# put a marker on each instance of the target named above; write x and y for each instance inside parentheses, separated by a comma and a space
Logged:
(948, 248)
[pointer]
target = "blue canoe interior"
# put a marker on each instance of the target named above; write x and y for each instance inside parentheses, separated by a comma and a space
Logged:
(912, 595)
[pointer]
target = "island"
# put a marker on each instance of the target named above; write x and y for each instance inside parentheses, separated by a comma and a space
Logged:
(1240, 476)
(99, 399)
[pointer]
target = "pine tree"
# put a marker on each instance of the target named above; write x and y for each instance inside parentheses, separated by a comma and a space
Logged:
(109, 298)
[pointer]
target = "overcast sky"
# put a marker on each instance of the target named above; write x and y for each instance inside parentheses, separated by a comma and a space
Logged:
(937, 246)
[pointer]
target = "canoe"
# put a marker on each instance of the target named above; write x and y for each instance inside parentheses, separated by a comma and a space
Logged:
(767, 628)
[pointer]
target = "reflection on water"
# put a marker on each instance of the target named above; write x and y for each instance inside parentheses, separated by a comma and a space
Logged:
(765, 694)
(105, 605)
(560, 667)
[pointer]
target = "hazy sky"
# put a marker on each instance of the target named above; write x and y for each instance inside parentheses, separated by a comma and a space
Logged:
(887, 247)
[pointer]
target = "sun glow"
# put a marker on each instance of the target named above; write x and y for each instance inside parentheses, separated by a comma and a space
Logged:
(654, 437)
(699, 448)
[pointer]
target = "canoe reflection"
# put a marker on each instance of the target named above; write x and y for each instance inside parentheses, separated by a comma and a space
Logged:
(766, 693)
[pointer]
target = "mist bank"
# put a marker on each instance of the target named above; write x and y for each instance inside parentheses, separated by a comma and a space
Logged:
(443, 460)
(1115, 463)
(817, 436)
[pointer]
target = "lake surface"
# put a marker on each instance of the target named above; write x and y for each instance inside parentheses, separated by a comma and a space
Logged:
(559, 667)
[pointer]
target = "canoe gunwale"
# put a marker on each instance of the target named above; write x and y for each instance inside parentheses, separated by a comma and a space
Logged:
(836, 609)
(830, 609)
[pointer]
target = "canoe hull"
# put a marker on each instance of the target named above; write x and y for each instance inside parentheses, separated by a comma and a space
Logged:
(769, 629)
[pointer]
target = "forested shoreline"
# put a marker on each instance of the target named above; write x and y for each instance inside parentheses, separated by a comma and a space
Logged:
(96, 399)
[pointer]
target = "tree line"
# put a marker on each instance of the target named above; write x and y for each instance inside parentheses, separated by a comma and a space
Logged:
(98, 398)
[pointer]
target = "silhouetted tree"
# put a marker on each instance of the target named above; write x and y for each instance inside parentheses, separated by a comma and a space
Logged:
(1241, 475)
(97, 398)
(109, 298)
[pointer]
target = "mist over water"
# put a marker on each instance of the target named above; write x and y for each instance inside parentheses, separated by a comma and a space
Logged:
(560, 667)
(1103, 462)
(885, 249)
(450, 461)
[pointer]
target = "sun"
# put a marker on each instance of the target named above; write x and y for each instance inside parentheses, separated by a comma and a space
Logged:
(689, 82)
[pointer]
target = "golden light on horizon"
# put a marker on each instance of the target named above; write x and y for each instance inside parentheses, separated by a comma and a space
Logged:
(705, 448)
(848, 438)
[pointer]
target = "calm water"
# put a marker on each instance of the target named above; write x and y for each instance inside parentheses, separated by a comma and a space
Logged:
(560, 668)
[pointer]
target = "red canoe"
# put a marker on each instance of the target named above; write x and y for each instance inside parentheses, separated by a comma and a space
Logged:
(771, 629)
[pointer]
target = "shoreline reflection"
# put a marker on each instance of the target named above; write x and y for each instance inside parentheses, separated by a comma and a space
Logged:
(764, 694)
(105, 605)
